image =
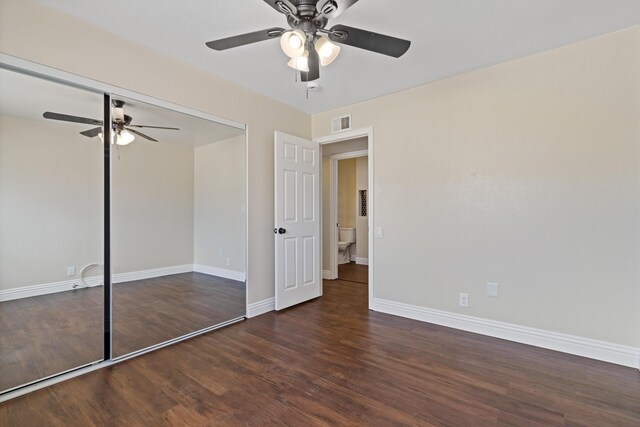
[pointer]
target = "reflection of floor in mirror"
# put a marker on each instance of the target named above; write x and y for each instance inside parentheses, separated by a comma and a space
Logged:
(352, 272)
(48, 334)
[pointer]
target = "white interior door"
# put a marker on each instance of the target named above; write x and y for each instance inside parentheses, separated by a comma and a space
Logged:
(297, 213)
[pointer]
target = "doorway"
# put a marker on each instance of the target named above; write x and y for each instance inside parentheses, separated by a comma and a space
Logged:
(348, 209)
(347, 253)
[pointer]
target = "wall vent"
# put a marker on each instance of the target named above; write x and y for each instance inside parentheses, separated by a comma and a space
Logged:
(341, 123)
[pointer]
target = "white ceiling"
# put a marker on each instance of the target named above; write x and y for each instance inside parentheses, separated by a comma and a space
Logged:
(448, 37)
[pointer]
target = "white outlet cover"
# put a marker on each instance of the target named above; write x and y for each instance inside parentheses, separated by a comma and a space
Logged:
(492, 289)
(463, 299)
(379, 232)
(71, 271)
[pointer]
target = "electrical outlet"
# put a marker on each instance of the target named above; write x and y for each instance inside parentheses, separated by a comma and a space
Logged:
(492, 289)
(463, 299)
(71, 271)
(379, 232)
(228, 261)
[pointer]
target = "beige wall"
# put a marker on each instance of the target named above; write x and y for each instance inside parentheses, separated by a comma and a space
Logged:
(152, 199)
(346, 193)
(50, 202)
(525, 174)
(362, 224)
(39, 34)
(219, 231)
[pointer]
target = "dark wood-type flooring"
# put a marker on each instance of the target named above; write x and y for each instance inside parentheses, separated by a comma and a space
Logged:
(353, 272)
(332, 362)
(49, 334)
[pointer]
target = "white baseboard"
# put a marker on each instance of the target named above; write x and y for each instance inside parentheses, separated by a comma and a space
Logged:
(220, 272)
(261, 307)
(362, 261)
(586, 347)
(35, 290)
(150, 274)
(68, 285)
(326, 274)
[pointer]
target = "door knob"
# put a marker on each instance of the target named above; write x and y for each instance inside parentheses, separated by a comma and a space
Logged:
(281, 230)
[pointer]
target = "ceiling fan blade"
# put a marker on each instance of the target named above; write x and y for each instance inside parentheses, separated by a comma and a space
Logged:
(68, 118)
(92, 132)
(243, 39)
(369, 40)
(327, 9)
(141, 134)
(286, 4)
(314, 67)
(152, 127)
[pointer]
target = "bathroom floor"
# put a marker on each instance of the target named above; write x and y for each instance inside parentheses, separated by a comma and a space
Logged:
(352, 272)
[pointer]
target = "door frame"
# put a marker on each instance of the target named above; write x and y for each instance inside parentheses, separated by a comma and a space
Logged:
(333, 205)
(346, 136)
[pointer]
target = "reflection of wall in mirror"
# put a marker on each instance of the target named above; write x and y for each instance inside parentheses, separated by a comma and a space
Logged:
(51, 204)
(50, 201)
(152, 205)
(219, 226)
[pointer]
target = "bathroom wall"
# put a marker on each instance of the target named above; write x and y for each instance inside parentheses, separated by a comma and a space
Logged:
(347, 193)
(347, 196)
(362, 225)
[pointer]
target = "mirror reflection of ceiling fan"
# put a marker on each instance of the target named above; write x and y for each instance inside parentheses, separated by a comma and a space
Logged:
(308, 43)
(122, 134)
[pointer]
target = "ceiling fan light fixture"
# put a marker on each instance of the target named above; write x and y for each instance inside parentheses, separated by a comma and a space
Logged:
(300, 63)
(121, 137)
(292, 43)
(125, 137)
(327, 51)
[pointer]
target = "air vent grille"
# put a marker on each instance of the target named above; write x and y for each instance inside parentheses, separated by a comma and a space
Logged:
(341, 123)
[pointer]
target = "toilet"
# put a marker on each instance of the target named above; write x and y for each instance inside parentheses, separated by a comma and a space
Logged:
(346, 238)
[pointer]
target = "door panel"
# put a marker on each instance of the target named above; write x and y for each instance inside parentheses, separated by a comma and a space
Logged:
(308, 256)
(297, 237)
(308, 197)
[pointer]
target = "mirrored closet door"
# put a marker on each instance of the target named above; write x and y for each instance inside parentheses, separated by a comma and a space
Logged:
(51, 229)
(113, 240)
(178, 224)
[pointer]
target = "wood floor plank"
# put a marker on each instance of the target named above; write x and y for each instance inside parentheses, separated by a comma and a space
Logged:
(353, 272)
(332, 362)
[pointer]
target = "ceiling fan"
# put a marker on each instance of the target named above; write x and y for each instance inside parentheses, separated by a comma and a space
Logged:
(308, 43)
(123, 134)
